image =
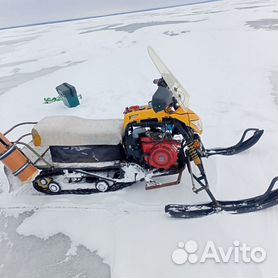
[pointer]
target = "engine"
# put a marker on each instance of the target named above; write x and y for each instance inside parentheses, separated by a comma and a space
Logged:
(160, 153)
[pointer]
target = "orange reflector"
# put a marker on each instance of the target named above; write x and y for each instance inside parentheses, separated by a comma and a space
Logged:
(36, 138)
(16, 161)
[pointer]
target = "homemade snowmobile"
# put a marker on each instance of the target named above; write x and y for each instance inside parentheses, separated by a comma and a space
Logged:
(81, 156)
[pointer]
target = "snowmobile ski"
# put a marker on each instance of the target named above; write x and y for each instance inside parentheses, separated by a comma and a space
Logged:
(266, 200)
(241, 146)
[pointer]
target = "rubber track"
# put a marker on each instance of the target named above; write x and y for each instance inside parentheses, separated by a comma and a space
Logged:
(114, 187)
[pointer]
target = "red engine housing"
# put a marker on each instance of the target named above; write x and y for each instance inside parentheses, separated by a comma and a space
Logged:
(162, 154)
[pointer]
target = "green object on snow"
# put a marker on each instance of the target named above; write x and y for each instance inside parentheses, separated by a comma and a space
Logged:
(68, 95)
(49, 100)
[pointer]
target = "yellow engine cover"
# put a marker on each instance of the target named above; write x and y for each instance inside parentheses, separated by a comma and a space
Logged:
(183, 115)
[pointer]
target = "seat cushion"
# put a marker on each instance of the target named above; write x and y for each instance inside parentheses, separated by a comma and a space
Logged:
(76, 131)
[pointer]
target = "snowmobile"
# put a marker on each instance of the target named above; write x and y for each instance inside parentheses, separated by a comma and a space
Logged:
(73, 155)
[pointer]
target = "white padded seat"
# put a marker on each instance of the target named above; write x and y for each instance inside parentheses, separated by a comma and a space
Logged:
(76, 131)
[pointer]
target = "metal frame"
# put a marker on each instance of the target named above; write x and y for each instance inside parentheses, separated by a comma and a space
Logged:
(161, 185)
(40, 157)
(18, 142)
(17, 125)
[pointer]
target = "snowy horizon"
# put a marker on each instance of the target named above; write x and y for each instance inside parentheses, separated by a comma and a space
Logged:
(14, 13)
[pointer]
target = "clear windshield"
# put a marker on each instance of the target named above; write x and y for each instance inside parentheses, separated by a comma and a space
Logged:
(176, 88)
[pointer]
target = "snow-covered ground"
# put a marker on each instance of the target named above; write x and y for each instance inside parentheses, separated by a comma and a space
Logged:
(225, 54)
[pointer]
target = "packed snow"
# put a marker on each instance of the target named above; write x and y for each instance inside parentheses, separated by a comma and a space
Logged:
(225, 55)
